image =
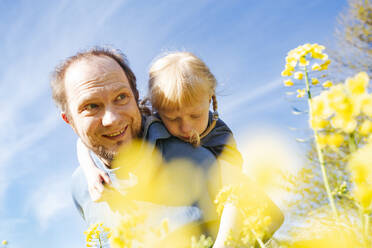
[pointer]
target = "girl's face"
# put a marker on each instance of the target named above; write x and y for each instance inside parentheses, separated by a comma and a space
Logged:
(183, 122)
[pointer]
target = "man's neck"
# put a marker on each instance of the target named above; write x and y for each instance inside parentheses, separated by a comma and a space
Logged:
(105, 161)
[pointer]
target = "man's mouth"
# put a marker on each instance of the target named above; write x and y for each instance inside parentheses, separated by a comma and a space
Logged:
(116, 135)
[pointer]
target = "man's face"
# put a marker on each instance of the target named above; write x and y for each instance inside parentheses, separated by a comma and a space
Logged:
(101, 106)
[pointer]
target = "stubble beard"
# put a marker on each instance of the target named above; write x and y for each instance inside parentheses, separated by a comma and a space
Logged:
(107, 155)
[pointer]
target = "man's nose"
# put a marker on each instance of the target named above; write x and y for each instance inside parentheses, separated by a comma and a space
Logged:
(110, 117)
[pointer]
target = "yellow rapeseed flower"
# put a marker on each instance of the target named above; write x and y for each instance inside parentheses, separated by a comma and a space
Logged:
(334, 139)
(298, 55)
(322, 140)
(314, 81)
(303, 61)
(317, 123)
(298, 75)
(288, 83)
(365, 128)
(339, 101)
(358, 84)
(325, 65)
(327, 84)
(366, 105)
(347, 125)
(360, 166)
(4, 242)
(288, 70)
(301, 93)
(316, 67)
(320, 107)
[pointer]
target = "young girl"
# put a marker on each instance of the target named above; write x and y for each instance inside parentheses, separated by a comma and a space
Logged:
(181, 90)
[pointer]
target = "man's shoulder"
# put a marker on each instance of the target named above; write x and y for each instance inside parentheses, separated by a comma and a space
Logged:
(79, 187)
(154, 129)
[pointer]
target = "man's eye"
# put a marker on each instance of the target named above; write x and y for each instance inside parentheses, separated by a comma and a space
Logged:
(121, 97)
(91, 106)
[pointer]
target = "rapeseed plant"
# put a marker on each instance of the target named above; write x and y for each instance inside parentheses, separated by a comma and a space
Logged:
(299, 59)
(97, 235)
(341, 119)
(252, 210)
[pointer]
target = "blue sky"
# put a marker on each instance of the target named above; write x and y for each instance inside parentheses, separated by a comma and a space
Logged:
(243, 42)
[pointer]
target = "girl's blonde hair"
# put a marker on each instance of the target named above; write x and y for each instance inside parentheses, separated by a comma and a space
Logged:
(179, 79)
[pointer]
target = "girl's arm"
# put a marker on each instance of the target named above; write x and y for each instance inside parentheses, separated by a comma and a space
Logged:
(229, 223)
(95, 176)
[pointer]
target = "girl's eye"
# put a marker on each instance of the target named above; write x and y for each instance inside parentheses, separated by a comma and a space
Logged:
(91, 106)
(171, 119)
(195, 116)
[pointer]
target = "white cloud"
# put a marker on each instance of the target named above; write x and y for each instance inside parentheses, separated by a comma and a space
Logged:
(50, 199)
(248, 95)
(24, 138)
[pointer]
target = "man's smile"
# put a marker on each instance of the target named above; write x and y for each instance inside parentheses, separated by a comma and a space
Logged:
(116, 135)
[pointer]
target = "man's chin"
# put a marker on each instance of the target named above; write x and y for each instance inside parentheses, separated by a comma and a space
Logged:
(105, 154)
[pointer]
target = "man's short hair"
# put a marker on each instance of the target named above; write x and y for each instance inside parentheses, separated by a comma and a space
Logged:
(58, 76)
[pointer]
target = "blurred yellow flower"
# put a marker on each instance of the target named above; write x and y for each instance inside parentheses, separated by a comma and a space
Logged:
(97, 234)
(325, 65)
(4, 242)
(327, 84)
(301, 93)
(360, 166)
(314, 81)
(298, 75)
(303, 61)
(358, 84)
(288, 83)
(334, 139)
(322, 140)
(317, 123)
(288, 71)
(366, 105)
(346, 125)
(365, 128)
(320, 107)
(321, 232)
(316, 67)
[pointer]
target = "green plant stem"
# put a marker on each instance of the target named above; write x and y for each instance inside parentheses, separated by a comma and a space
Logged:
(352, 145)
(260, 242)
(366, 229)
(363, 216)
(319, 152)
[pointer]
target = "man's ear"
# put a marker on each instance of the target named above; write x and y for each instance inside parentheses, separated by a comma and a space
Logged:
(65, 118)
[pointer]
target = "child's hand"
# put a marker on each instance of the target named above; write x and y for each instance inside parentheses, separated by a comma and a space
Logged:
(96, 179)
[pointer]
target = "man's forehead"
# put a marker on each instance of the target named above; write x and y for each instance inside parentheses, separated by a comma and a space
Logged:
(91, 72)
(92, 66)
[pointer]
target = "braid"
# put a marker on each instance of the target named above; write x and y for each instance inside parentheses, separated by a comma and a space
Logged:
(144, 106)
(214, 102)
(195, 137)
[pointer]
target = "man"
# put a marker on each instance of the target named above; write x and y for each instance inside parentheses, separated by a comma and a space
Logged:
(97, 95)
